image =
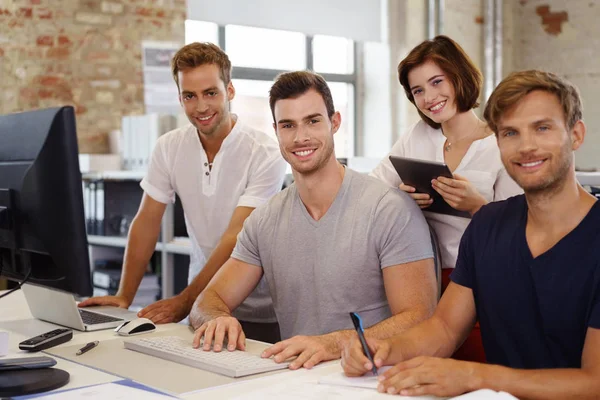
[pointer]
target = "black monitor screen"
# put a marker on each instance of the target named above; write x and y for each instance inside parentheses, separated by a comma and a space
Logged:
(42, 225)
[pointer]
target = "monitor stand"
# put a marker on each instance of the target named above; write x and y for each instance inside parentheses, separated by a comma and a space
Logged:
(30, 381)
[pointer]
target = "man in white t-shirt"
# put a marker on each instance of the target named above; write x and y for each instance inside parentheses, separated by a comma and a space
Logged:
(221, 170)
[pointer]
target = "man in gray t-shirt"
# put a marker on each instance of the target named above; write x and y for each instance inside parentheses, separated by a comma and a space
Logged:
(319, 271)
(334, 242)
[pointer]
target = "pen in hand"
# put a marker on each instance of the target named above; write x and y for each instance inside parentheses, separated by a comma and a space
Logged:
(87, 348)
(361, 336)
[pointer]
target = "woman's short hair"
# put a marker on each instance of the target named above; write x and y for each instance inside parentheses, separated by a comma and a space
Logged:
(456, 64)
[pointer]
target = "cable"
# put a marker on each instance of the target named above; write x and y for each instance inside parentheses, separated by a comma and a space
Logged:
(14, 259)
(18, 286)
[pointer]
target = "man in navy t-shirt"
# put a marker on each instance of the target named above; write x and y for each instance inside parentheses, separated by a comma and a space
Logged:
(528, 268)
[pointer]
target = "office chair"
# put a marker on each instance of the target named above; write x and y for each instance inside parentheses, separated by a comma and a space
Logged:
(437, 259)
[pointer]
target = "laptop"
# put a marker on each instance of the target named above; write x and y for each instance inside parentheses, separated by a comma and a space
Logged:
(60, 308)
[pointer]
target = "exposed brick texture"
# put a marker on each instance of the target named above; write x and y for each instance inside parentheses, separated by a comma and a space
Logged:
(564, 37)
(461, 24)
(85, 53)
(552, 21)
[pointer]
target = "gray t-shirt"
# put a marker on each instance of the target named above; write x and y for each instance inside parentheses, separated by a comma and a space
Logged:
(319, 271)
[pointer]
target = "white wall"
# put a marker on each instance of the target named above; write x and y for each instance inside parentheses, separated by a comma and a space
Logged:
(573, 53)
(376, 113)
(398, 25)
(356, 19)
(387, 112)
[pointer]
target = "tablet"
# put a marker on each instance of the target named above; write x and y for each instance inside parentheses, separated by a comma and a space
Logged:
(418, 174)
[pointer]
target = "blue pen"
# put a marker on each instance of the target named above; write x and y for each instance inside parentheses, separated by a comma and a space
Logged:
(361, 336)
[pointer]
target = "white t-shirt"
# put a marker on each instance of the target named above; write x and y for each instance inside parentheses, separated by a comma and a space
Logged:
(246, 172)
(481, 165)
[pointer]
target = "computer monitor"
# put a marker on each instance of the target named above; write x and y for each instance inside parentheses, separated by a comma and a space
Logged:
(42, 223)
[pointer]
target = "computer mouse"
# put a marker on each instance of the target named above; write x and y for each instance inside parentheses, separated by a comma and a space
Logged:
(135, 327)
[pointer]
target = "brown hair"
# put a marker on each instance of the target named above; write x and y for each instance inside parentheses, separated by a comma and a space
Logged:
(289, 85)
(197, 54)
(519, 84)
(456, 64)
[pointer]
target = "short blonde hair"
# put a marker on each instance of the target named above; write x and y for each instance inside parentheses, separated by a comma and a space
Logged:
(519, 84)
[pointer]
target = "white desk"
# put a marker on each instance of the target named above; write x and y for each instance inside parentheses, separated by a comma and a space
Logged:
(16, 318)
(110, 362)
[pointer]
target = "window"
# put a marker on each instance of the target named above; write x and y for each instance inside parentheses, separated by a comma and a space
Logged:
(333, 55)
(343, 100)
(258, 55)
(252, 104)
(265, 48)
(200, 31)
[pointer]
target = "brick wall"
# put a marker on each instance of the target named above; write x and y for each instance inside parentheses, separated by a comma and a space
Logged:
(463, 22)
(86, 53)
(564, 38)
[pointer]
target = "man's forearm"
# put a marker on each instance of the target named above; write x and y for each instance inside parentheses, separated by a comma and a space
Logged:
(141, 243)
(218, 257)
(207, 307)
(429, 338)
(383, 330)
(538, 384)
(397, 324)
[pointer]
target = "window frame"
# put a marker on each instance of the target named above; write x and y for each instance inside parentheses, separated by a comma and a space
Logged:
(267, 74)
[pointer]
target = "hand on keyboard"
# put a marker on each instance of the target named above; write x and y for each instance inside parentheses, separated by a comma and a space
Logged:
(230, 363)
(311, 350)
(215, 332)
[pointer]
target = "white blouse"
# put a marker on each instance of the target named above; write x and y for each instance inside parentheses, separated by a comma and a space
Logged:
(481, 165)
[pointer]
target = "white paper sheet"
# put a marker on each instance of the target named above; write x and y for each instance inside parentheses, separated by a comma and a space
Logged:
(104, 391)
(368, 381)
(485, 394)
(312, 390)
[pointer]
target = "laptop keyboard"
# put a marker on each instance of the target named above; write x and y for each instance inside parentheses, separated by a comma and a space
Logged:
(92, 318)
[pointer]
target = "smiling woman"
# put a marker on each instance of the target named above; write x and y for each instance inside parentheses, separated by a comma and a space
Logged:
(444, 85)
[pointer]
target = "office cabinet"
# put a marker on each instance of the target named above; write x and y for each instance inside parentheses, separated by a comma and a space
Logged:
(111, 201)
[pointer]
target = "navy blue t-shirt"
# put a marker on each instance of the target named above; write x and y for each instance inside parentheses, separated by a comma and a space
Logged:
(533, 312)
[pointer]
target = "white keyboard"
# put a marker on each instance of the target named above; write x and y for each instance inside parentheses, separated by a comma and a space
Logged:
(231, 363)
